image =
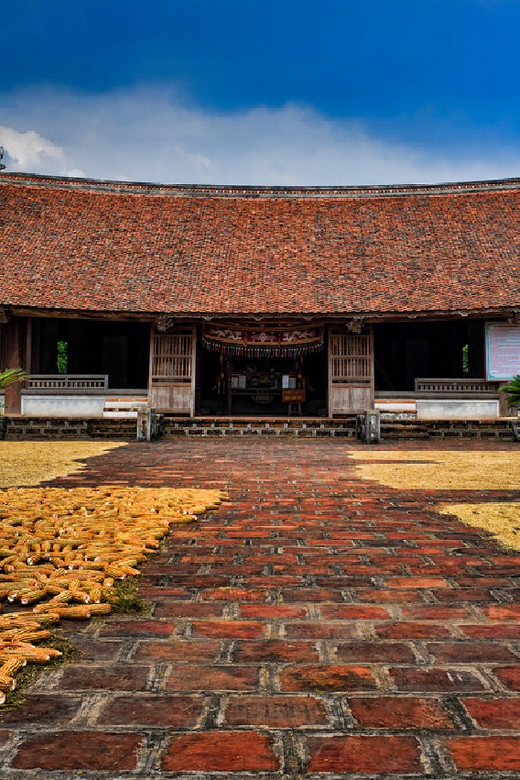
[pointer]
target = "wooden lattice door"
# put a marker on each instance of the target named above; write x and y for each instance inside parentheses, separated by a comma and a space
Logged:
(351, 372)
(172, 371)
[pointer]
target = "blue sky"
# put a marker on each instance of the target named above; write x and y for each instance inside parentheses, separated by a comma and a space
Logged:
(262, 91)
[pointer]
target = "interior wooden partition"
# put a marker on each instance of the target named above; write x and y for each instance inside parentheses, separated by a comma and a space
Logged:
(172, 370)
(351, 371)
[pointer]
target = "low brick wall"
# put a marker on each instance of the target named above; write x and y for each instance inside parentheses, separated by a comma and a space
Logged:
(301, 428)
(175, 427)
(446, 429)
(470, 429)
(70, 428)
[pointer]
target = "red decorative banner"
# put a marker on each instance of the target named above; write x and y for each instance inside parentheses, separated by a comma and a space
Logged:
(262, 341)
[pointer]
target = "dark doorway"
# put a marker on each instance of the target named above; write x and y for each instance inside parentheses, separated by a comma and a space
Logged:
(119, 349)
(406, 351)
(262, 386)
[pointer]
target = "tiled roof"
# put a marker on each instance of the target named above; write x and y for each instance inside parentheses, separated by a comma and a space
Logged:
(73, 244)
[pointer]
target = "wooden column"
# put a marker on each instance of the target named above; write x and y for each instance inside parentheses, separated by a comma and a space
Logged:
(15, 349)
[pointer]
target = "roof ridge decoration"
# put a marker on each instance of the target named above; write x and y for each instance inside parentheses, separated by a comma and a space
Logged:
(252, 191)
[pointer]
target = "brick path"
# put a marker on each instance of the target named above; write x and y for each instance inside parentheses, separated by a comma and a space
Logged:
(317, 625)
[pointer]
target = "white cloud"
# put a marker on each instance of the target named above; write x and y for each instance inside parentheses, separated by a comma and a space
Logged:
(149, 134)
(29, 151)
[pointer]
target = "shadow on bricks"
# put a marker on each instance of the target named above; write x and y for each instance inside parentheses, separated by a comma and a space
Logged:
(317, 625)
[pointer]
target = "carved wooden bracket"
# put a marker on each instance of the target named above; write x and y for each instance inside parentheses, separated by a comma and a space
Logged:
(356, 324)
(164, 323)
(4, 315)
(514, 319)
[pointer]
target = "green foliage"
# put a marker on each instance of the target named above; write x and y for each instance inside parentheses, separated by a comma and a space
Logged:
(465, 359)
(62, 357)
(512, 390)
(125, 600)
(11, 375)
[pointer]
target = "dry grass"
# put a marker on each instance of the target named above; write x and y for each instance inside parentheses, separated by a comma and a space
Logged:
(445, 470)
(63, 550)
(24, 463)
(448, 470)
(501, 520)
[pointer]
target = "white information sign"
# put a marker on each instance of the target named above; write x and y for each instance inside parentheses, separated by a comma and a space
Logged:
(502, 350)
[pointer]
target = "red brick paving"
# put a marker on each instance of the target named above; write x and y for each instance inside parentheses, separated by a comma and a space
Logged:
(316, 625)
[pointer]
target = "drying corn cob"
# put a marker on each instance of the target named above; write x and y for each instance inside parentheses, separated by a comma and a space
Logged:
(61, 551)
(22, 634)
(12, 666)
(99, 609)
(25, 650)
(79, 612)
(7, 683)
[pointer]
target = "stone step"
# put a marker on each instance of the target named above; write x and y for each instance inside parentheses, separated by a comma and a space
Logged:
(120, 414)
(403, 429)
(403, 425)
(123, 408)
(404, 435)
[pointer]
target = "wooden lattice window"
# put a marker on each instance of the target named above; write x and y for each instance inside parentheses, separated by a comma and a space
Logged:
(350, 358)
(172, 358)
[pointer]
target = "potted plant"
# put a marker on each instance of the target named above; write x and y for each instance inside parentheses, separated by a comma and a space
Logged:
(512, 390)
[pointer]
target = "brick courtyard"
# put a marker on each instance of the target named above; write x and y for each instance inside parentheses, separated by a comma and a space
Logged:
(317, 625)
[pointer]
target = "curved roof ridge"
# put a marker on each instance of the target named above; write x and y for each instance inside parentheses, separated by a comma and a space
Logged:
(257, 191)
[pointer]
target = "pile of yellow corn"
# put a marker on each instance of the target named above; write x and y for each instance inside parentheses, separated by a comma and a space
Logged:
(62, 549)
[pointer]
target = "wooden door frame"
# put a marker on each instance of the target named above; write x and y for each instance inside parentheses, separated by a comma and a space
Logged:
(335, 387)
(153, 388)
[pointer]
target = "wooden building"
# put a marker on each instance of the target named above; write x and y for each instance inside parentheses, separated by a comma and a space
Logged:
(257, 300)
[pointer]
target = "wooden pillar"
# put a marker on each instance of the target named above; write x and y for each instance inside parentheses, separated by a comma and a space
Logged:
(34, 361)
(15, 350)
(151, 364)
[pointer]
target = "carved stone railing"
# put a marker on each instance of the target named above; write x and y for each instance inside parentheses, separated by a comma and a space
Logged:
(456, 387)
(56, 383)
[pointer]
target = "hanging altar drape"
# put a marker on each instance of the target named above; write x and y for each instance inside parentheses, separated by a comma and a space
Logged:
(262, 340)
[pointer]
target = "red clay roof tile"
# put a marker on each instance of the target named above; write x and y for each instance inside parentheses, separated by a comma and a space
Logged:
(85, 245)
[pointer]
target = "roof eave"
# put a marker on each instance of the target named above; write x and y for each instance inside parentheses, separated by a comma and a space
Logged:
(205, 316)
